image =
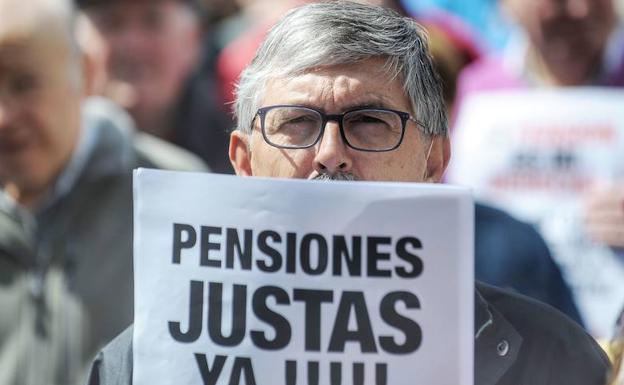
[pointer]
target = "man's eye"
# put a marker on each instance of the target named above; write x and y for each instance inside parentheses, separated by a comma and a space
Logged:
(299, 119)
(109, 22)
(23, 83)
(367, 119)
(297, 125)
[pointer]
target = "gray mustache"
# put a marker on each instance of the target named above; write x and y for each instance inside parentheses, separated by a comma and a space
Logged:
(335, 176)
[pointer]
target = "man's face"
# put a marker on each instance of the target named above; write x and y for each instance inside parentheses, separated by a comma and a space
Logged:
(152, 47)
(39, 109)
(566, 30)
(334, 90)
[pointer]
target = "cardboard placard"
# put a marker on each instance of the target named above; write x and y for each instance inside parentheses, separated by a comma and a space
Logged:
(287, 282)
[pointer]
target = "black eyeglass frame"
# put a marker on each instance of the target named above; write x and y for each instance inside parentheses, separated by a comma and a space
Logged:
(404, 116)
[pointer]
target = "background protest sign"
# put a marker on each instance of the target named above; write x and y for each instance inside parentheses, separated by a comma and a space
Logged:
(535, 153)
(290, 282)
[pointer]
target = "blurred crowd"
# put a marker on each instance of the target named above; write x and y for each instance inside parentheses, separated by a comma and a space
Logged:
(92, 89)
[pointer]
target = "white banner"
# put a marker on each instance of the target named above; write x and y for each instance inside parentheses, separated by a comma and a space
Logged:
(291, 282)
(535, 153)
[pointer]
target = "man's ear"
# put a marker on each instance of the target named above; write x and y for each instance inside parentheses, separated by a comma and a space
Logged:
(438, 159)
(92, 55)
(88, 69)
(240, 153)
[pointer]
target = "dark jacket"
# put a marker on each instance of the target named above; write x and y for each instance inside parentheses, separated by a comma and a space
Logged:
(518, 341)
(511, 254)
(66, 271)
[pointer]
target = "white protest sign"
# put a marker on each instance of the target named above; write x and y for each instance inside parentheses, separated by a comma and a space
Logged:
(535, 153)
(290, 282)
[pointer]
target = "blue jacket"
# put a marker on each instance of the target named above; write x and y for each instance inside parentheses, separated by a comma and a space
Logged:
(512, 255)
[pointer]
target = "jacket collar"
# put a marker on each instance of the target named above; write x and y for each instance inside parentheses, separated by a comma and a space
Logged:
(497, 343)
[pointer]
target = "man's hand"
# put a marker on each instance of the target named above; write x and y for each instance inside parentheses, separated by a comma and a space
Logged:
(604, 215)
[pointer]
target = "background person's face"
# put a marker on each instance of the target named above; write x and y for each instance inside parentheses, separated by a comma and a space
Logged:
(334, 90)
(566, 31)
(39, 110)
(152, 46)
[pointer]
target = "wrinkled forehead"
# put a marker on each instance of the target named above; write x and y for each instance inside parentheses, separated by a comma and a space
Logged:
(20, 48)
(369, 83)
(33, 52)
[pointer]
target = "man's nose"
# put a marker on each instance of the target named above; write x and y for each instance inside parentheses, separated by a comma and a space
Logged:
(332, 155)
(578, 9)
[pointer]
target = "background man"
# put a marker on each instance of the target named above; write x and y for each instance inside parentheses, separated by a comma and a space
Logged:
(562, 44)
(147, 63)
(65, 201)
(156, 68)
(340, 90)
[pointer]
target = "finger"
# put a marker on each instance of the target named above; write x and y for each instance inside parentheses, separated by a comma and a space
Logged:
(605, 201)
(611, 236)
(613, 218)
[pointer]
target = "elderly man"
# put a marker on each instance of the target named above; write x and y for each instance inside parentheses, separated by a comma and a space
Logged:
(340, 90)
(65, 201)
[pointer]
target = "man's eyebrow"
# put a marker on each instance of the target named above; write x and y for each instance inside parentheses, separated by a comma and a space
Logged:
(372, 105)
(370, 101)
(352, 106)
(364, 101)
(10, 48)
(349, 107)
(13, 56)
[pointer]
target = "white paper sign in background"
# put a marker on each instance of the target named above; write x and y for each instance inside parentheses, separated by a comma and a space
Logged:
(536, 153)
(285, 282)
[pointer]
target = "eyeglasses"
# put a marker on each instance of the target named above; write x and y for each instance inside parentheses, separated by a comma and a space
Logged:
(363, 129)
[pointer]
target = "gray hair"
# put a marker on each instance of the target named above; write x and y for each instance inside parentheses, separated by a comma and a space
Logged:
(344, 32)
